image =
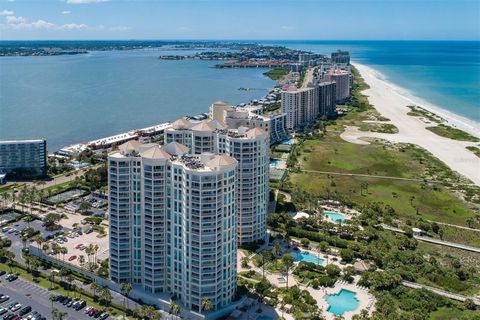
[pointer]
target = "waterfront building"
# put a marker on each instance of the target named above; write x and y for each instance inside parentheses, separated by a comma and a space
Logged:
(275, 123)
(173, 222)
(23, 158)
(342, 79)
(250, 147)
(300, 106)
(341, 57)
(327, 98)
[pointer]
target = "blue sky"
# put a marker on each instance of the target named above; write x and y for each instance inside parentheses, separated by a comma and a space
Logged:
(245, 19)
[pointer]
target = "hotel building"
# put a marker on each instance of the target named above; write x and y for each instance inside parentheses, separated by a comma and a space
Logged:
(25, 158)
(173, 222)
(250, 147)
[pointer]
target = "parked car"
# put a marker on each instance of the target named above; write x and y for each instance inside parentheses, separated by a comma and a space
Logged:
(72, 258)
(15, 307)
(25, 310)
(3, 311)
(78, 246)
(2, 272)
(11, 277)
(103, 316)
(3, 298)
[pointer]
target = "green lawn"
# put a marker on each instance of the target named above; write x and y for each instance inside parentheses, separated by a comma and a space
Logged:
(456, 314)
(452, 133)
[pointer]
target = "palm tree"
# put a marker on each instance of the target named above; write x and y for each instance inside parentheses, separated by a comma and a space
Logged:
(95, 288)
(10, 256)
(52, 298)
(277, 250)
(45, 248)
(94, 252)
(81, 260)
(39, 240)
(206, 305)
(174, 309)
(125, 288)
(266, 257)
(57, 314)
(63, 251)
(287, 262)
(106, 296)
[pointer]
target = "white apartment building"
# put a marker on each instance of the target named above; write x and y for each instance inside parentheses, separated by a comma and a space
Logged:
(250, 147)
(275, 123)
(300, 106)
(173, 222)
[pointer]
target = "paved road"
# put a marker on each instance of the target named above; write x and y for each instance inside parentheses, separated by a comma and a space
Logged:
(28, 293)
(443, 293)
(379, 177)
(436, 241)
(455, 226)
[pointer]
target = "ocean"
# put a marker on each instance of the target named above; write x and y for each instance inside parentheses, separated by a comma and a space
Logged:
(71, 99)
(443, 73)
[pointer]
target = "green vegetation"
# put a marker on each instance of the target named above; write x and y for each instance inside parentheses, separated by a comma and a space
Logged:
(452, 133)
(378, 127)
(475, 150)
(277, 73)
(416, 111)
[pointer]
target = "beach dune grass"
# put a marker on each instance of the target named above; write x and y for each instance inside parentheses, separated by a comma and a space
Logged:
(452, 133)
(433, 200)
(475, 150)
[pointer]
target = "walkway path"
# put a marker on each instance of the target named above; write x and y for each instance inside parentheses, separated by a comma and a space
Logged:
(455, 226)
(441, 292)
(379, 177)
(436, 241)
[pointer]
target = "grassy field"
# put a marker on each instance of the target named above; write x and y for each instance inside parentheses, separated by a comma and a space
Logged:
(379, 127)
(456, 314)
(468, 237)
(277, 73)
(434, 201)
(452, 133)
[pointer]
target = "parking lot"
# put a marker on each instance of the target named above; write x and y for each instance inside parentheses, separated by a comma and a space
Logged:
(29, 294)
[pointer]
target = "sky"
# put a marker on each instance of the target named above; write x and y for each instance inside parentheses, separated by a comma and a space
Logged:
(240, 19)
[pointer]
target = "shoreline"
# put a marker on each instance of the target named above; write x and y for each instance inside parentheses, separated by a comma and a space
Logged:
(452, 119)
(391, 101)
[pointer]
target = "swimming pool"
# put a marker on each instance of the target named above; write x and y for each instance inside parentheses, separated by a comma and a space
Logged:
(335, 216)
(308, 257)
(342, 302)
(274, 163)
(288, 141)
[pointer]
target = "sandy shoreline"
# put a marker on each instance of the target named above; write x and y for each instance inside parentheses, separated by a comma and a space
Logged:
(391, 101)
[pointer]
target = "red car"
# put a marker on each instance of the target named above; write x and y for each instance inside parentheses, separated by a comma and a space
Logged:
(72, 258)
(78, 246)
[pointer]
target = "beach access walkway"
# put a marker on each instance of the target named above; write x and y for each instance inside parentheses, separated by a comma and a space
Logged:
(441, 292)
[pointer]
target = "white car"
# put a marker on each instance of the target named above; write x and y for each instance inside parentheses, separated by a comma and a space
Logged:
(87, 309)
(16, 307)
(3, 310)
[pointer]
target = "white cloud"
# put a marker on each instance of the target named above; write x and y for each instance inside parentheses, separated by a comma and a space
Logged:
(120, 28)
(11, 0)
(7, 13)
(66, 12)
(21, 23)
(287, 28)
(85, 1)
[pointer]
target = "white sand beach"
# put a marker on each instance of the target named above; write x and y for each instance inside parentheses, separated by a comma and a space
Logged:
(392, 101)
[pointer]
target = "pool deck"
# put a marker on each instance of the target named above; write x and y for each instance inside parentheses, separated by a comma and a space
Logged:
(366, 300)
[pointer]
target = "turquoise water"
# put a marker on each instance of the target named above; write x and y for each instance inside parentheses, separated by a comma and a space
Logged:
(335, 216)
(71, 99)
(444, 73)
(288, 141)
(342, 302)
(274, 163)
(308, 257)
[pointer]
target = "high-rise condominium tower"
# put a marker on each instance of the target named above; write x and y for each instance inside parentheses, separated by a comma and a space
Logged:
(250, 147)
(173, 222)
